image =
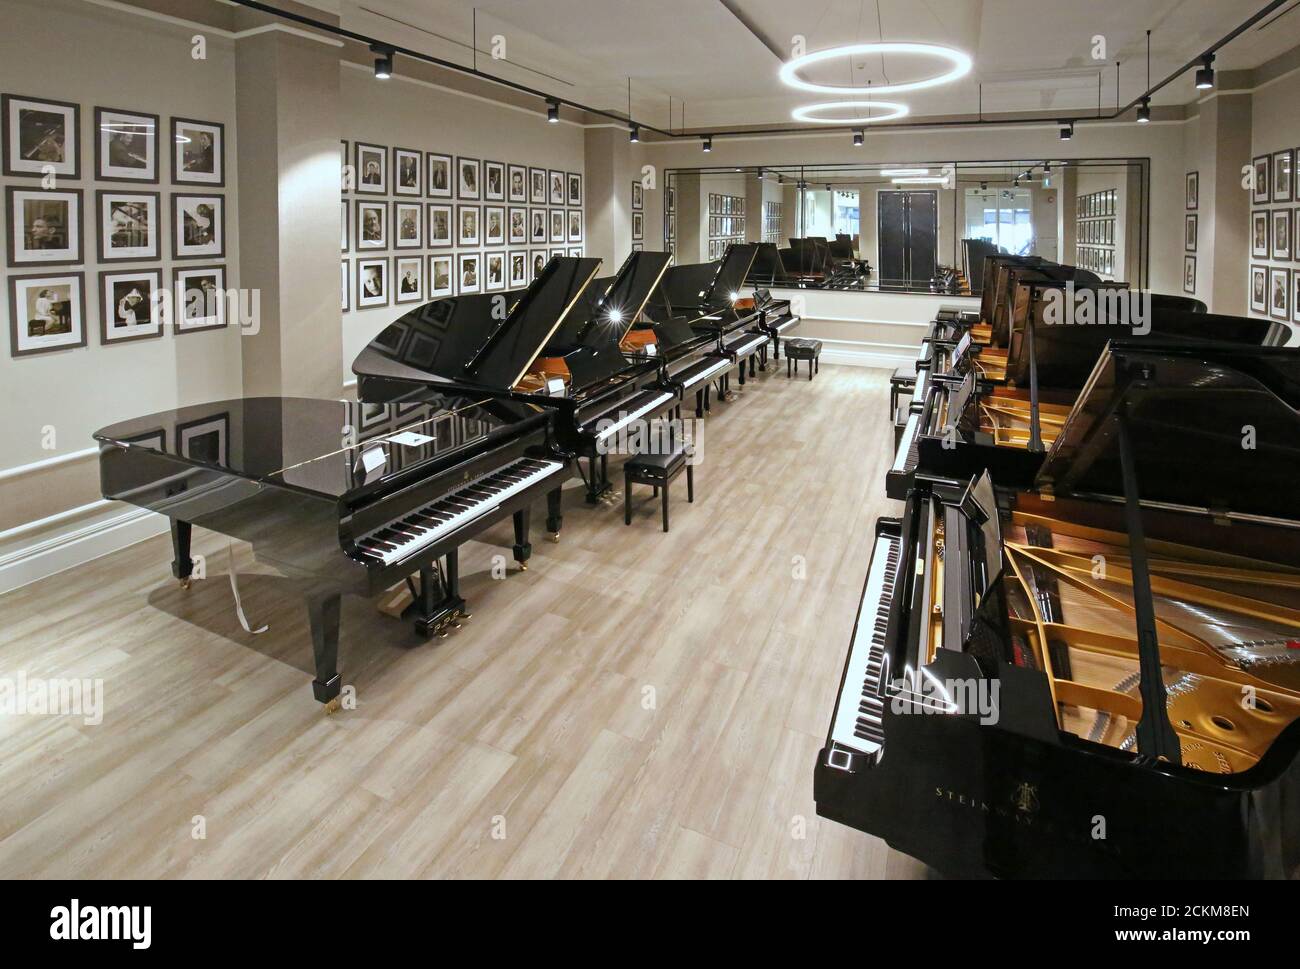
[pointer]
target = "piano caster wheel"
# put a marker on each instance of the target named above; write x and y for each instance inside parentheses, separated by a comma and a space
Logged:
(523, 566)
(332, 707)
(185, 584)
(554, 538)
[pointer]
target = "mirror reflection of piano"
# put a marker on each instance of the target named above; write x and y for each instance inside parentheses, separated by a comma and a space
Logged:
(340, 497)
(1128, 631)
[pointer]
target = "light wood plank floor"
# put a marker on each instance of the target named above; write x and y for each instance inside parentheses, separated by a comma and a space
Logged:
(635, 705)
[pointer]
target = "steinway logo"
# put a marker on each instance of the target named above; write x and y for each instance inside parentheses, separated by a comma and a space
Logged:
(1019, 804)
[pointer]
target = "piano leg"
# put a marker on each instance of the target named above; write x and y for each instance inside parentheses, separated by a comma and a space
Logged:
(741, 371)
(522, 549)
(699, 404)
(323, 611)
(554, 518)
(752, 364)
(182, 564)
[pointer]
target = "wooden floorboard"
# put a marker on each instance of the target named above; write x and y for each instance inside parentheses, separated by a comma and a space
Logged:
(635, 705)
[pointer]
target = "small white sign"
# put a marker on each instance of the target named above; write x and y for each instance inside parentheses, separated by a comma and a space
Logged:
(373, 459)
(410, 439)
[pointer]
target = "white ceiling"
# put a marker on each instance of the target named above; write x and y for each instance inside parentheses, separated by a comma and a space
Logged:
(1030, 55)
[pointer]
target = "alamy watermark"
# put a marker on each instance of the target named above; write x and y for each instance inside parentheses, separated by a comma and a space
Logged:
(35, 696)
(1066, 306)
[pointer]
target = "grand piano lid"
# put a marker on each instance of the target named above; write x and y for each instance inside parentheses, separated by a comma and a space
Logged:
(263, 438)
(1213, 427)
(606, 312)
(730, 280)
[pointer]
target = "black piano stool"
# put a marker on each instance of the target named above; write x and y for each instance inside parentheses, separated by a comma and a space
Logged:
(902, 382)
(658, 471)
(796, 349)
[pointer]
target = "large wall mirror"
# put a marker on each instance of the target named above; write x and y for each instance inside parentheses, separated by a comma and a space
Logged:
(920, 227)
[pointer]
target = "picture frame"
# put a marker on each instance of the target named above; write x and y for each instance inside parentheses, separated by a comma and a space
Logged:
(44, 226)
(206, 440)
(575, 252)
(1193, 191)
(408, 172)
(347, 175)
(198, 152)
(439, 218)
(198, 226)
(517, 185)
(575, 225)
(468, 225)
(129, 224)
(131, 305)
(408, 279)
(370, 166)
(494, 224)
(1261, 232)
(638, 196)
(1189, 274)
(469, 272)
(1295, 296)
(1262, 183)
(537, 186)
(537, 232)
(346, 285)
(537, 260)
(47, 312)
(518, 268)
(558, 253)
(1279, 288)
(469, 178)
(374, 282)
(1281, 235)
(198, 294)
(517, 225)
(494, 272)
(494, 181)
(559, 232)
(41, 133)
(557, 190)
(126, 146)
(1189, 233)
(441, 281)
(638, 226)
(438, 176)
(1283, 175)
(370, 232)
(575, 189)
(1258, 289)
(408, 225)
(345, 222)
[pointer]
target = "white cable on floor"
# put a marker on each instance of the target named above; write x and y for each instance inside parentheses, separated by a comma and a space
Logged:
(239, 606)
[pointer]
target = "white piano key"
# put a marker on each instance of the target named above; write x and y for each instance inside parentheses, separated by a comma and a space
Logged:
(632, 415)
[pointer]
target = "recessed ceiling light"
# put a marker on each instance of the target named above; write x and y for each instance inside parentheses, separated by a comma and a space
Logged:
(961, 66)
(806, 112)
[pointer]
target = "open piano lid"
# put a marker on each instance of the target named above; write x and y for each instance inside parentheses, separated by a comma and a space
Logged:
(1190, 410)
(459, 339)
(613, 313)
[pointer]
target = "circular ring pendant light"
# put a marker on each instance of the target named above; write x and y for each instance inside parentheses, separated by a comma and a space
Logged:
(961, 64)
(808, 112)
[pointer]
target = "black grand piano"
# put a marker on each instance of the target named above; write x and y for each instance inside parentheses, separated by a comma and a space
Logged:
(1100, 677)
(338, 496)
(557, 351)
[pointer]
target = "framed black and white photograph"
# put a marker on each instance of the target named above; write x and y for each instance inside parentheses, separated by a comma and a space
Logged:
(468, 230)
(44, 227)
(1189, 274)
(559, 231)
(494, 181)
(1262, 184)
(517, 184)
(494, 271)
(126, 146)
(575, 225)
(638, 226)
(409, 276)
(198, 226)
(1282, 234)
(1295, 296)
(344, 222)
(206, 440)
(537, 262)
(371, 225)
(199, 297)
(556, 182)
(558, 253)
(131, 306)
(408, 225)
(1284, 176)
(439, 225)
(575, 188)
(468, 178)
(346, 175)
(198, 152)
(1189, 232)
(438, 179)
(537, 186)
(469, 273)
(670, 198)
(46, 312)
(1259, 289)
(1259, 234)
(518, 268)
(638, 196)
(371, 168)
(1193, 191)
(441, 276)
(1279, 294)
(41, 136)
(537, 232)
(408, 172)
(575, 252)
(638, 246)
(494, 225)
(129, 225)
(345, 285)
(517, 232)
(372, 283)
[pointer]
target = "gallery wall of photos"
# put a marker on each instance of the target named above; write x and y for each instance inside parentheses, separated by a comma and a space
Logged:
(157, 224)
(771, 221)
(1094, 228)
(670, 220)
(420, 225)
(1274, 218)
(726, 222)
(638, 216)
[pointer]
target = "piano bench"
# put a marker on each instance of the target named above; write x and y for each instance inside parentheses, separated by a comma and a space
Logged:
(798, 348)
(658, 471)
(902, 382)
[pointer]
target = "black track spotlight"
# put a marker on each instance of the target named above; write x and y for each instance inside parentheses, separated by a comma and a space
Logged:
(1144, 112)
(383, 61)
(857, 139)
(984, 186)
(1067, 131)
(552, 111)
(1205, 76)
(708, 143)
(634, 134)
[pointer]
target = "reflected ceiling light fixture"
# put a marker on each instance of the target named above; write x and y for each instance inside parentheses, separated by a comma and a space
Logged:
(552, 111)
(1067, 130)
(807, 112)
(857, 139)
(707, 145)
(383, 61)
(960, 65)
(1205, 76)
(634, 134)
(904, 171)
(920, 180)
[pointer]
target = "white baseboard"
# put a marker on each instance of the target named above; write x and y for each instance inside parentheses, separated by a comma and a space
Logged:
(81, 544)
(857, 353)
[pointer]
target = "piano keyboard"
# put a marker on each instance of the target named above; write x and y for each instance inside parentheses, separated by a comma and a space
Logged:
(860, 711)
(704, 372)
(743, 348)
(648, 402)
(907, 456)
(785, 324)
(400, 539)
